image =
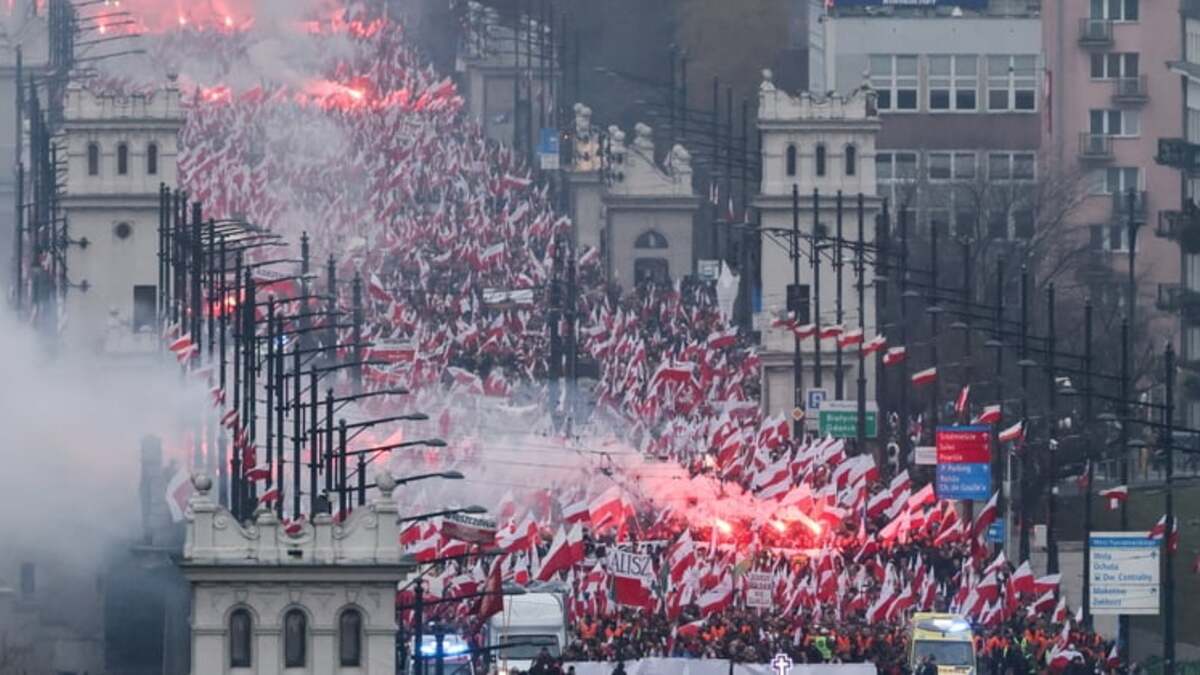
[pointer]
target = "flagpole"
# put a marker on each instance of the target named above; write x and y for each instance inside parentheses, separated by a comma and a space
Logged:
(998, 466)
(933, 309)
(1052, 429)
(905, 383)
(1088, 469)
(816, 265)
(1168, 444)
(1022, 487)
(1123, 450)
(839, 388)
(965, 415)
(797, 355)
(860, 286)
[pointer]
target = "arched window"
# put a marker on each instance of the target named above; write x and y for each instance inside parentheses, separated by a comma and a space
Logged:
(295, 639)
(122, 159)
(851, 160)
(350, 638)
(650, 239)
(93, 159)
(820, 159)
(791, 160)
(152, 159)
(240, 630)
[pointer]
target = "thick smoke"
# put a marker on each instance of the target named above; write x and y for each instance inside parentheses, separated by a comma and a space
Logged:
(69, 446)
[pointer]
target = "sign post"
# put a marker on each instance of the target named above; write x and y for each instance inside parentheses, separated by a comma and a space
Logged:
(839, 419)
(964, 462)
(758, 589)
(1123, 569)
(548, 149)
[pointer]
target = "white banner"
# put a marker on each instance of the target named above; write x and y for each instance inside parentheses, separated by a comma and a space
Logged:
(758, 589)
(716, 667)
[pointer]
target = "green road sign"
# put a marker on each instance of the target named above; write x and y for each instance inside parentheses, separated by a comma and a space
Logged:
(840, 419)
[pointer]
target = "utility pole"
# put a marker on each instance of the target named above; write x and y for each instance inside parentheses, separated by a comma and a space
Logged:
(1051, 434)
(797, 302)
(1089, 470)
(815, 252)
(1123, 452)
(839, 392)
(1022, 486)
(860, 270)
(1168, 444)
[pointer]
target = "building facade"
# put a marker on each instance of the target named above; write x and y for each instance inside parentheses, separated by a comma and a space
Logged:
(959, 101)
(816, 146)
(1112, 99)
(322, 601)
(118, 151)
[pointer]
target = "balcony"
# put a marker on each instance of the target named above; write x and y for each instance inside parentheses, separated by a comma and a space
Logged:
(1129, 204)
(1176, 299)
(1130, 90)
(1095, 33)
(1095, 147)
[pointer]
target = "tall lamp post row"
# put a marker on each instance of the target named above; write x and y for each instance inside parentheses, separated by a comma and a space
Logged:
(272, 351)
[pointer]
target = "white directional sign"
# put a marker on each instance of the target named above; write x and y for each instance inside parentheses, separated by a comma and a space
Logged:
(1124, 573)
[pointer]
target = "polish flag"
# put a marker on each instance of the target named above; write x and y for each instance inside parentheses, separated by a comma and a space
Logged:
(723, 339)
(258, 473)
(576, 513)
(850, 338)
(805, 331)
(1160, 527)
(875, 344)
(1114, 657)
(924, 377)
(990, 415)
(565, 551)
(987, 516)
(1014, 433)
(1115, 496)
(1022, 579)
(181, 344)
(606, 508)
(717, 598)
(894, 356)
(1043, 604)
(682, 557)
(827, 332)
(960, 403)
(179, 490)
(269, 497)
(1048, 583)
(492, 253)
(230, 419)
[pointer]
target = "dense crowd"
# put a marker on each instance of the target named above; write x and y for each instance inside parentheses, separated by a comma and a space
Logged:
(374, 158)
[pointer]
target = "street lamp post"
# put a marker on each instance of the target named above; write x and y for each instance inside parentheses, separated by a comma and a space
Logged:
(1168, 444)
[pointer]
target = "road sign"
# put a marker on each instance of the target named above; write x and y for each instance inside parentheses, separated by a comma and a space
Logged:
(709, 270)
(797, 414)
(548, 149)
(758, 589)
(964, 462)
(1124, 571)
(839, 419)
(815, 397)
(925, 455)
(995, 532)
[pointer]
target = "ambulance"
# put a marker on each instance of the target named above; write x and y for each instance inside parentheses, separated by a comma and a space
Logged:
(946, 637)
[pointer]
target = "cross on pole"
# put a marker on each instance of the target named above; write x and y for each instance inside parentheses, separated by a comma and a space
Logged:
(781, 664)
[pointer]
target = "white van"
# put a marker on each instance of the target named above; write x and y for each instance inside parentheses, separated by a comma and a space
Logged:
(456, 656)
(536, 621)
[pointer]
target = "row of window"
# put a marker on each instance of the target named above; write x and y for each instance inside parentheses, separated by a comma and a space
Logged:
(93, 159)
(295, 638)
(820, 161)
(901, 166)
(953, 82)
(1115, 10)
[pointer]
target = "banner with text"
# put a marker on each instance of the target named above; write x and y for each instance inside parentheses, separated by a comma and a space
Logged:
(964, 462)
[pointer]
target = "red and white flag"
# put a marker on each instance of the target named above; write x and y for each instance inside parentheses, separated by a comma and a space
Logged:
(1115, 496)
(179, 491)
(989, 415)
(1014, 433)
(985, 518)
(850, 338)
(923, 377)
(875, 344)
(717, 598)
(963, 400)
(894, 356)
(565, 551)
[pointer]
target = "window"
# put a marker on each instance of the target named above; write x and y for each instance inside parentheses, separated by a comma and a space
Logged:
(894, 166)
(1114, 122)
(953, 82)
(1012, 83)
(295, 638)
(1113, 65)
(1193, 125)
(1115, 10)
(1014, 166)
(791, 160)
(240, 637)
(1109, 237)
(820, 159)
(851, 160)
(152, 159)
(1115, 179)
(959, 166)
(650, 239)
(145, 300)
(350, 638)
(894, 79)
(122, 159)
(1193, 42)
(654, 271)
(93, 159)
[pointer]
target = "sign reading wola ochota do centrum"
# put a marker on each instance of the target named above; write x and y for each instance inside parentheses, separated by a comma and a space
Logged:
(1124, 572)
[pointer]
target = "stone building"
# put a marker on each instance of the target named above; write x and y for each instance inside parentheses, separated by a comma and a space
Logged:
(321, 601)
(118, 151)
(826, 145)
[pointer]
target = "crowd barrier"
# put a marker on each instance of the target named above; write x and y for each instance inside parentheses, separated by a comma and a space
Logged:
(665, 666)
